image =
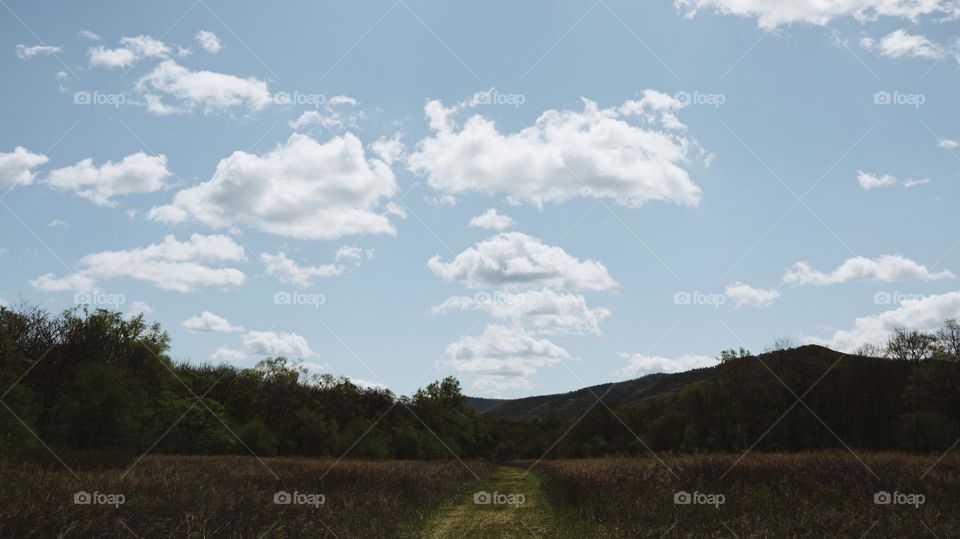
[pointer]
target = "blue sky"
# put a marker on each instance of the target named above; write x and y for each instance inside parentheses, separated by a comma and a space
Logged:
(667, 179)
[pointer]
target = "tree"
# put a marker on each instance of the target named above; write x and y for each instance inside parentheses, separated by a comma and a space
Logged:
(781, 344)
(911, 345)
(730, 354)
(948, 340)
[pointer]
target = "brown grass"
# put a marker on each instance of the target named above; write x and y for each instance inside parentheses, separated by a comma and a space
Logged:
(825, 494)
(229, 497)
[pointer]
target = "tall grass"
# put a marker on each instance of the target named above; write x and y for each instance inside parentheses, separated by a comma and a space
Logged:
(823, 494)
(197, 497)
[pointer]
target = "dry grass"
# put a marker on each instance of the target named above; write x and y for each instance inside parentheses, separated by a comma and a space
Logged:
(827, 494)
(229, 497)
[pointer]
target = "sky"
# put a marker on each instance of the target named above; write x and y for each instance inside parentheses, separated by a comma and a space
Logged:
(530, 196)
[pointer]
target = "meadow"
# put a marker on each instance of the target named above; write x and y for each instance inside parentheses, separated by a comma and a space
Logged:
(227, 496)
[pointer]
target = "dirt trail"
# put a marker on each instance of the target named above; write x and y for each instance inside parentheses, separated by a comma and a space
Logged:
(506, 514)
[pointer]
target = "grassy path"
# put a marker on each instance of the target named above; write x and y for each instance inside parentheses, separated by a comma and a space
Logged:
(466, 518)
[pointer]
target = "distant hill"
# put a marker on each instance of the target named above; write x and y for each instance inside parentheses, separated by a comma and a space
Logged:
(614, 394)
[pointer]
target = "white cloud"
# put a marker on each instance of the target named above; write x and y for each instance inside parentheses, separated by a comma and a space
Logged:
(331, 118)
(948, 144)
(269, 343)
(773, 13)
(206, 89)
(58, 223)
(926, 314)
(26, 53)
(628, 154)
(87, 34)
(209, 41)
(899, 43)
(207, 322)
(16, 167)
(169, 264)
(140, 307)
(288, 271)
(544, 311)
(131, 50)
(303, 189)
(913, 182)
(642, 365)
(503, 357)
(156, 106)
(745, 294)
(225, 353)
(515, 259)
(884, 268)
(872, 181)
(390, 150)
(135, 173)
(490, 219)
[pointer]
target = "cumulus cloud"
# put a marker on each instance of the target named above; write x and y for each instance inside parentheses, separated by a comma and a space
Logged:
(948, 144)
(503, 357)
(632, 154)
(87, 34)
(490, 219)
(333, 116)
(288, 271)
(770, 14)
(544, 311)
(884, 268)
(745, 294)
(303, 189)
(515, 259)
(209, 41)
(130, 51)
(207, 322)
(16, 167)
(870, 181)
(208, 90)
(925, 313)
(642, 365)
(390, 150)
(899, 43)
(269, 343)
(135, 173)
(27, 53)
(170, 264)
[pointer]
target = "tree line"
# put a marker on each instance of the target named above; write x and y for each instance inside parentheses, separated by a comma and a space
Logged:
(101, 384)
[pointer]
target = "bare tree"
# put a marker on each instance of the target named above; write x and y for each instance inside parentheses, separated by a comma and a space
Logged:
(911, 345)
(870, 350)
(948, 340)
(781, 344)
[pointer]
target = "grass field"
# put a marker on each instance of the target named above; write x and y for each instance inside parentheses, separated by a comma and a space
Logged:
(824, 494)
(230, 497)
